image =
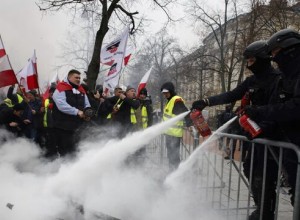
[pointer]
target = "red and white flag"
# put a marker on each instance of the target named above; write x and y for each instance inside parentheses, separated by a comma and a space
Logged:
(2, 50)
(7, 75)
(111, 80)
(110, 51)
(143, 82)
(28, 75)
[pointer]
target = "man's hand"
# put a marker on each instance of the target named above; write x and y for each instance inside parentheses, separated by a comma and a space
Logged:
(27, 121)
(253, 112)
(200, 104)
(13, 124)
(97, 95)
(122, 96)
(80, 114)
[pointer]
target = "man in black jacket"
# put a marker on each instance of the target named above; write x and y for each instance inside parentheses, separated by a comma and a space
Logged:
(258, 89)
(70, 100)
(11, 119)
(284, 104)
(123, 111)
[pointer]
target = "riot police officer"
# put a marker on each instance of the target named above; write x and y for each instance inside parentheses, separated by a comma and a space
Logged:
(284, 104)
(258, 89)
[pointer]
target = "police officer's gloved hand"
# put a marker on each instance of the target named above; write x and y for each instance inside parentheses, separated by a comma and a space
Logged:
(249, 136)
(252, 112)
(200, 104)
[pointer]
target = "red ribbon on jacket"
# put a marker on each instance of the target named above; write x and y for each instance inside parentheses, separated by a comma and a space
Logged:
(63, 86)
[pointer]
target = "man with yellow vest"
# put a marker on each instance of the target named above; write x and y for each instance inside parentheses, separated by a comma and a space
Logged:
(18, 96)
(145, 119)
(48, 124)
(174, 106)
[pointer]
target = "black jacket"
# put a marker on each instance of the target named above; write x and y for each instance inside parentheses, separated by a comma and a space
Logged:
(6, 117)
(259, 89)
(284, 105)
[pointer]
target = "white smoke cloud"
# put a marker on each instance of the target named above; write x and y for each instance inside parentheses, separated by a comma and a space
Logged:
(100, 179)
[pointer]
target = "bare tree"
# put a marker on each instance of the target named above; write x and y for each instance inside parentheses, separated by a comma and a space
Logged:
(221, 54)
(105, 9)
(162, 53)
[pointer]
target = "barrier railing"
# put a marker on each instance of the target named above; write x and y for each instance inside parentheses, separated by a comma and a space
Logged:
(225, 184)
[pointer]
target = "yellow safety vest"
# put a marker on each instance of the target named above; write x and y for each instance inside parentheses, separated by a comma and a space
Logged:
(8, 101)
(20, 98)
(177, 129)
(144, 115)
(132, 112)
(45, 123)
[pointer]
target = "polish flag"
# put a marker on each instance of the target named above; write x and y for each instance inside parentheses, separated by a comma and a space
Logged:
(143, 82)
(7, 75)
(28, 75)
(2, 50)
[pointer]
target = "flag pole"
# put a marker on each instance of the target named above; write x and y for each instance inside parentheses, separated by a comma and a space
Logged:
(36, 72)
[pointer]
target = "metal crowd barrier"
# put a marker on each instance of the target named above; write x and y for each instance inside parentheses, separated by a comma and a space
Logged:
(223, 183)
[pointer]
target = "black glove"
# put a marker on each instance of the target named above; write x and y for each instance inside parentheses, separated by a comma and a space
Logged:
(200, 104)
(252, 112)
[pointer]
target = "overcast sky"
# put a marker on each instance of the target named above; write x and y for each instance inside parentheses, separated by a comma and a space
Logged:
(24, 28)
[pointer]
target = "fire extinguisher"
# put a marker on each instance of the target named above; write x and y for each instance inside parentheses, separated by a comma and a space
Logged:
(250, 126)
(200, 123)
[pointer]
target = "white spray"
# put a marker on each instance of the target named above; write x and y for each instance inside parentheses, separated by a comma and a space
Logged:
(32, 188)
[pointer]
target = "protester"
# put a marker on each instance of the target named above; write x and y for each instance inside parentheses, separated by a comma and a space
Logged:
(144, 116)
(11, 119)
(33, 117)
(69, 102)
(18, 96)
(123, 111)
(145, 112)
(257, 89)
(48, 124)
(109, 103)
(174, 106)
(284, 105)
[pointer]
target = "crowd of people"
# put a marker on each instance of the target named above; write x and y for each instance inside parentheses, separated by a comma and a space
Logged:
(56, 122)
(270, 97)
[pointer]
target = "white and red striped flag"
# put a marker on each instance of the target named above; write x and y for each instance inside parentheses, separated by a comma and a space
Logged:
(2, 50)
(108, 52)
(28, 75)
(143, 82)
(7, 75)
(111, 80)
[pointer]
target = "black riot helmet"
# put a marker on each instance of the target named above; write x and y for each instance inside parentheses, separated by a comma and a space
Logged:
(258, 49)
(283, 39)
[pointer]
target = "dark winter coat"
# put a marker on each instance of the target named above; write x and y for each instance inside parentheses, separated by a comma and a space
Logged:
(7, 116)
(284, 105)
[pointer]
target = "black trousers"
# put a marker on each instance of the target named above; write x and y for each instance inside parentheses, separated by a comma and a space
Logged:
(66, 141)
(173, 150)
(257, 179)
(50, 142)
